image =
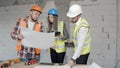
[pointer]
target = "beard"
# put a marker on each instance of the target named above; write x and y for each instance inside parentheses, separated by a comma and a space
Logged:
(33, 19)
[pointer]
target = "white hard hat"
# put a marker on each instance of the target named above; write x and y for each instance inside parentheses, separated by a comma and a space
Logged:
(74, 10)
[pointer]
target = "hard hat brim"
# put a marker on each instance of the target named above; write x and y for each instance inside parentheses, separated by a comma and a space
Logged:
(36, 10)
(71, 15)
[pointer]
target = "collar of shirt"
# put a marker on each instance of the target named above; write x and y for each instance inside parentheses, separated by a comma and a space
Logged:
(78, 22)
(30, 24)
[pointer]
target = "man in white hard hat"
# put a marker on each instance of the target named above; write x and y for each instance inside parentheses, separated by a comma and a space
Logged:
(81, 36)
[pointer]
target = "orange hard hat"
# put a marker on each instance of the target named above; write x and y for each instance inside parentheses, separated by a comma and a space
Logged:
(37, 8)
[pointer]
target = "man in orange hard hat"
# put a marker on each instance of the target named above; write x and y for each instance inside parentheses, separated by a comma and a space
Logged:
(29, 22)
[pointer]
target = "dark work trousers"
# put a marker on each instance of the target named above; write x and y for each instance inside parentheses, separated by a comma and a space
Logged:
(82, 59)
(56, 57)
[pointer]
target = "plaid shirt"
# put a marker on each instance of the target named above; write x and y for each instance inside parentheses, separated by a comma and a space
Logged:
(25, 50)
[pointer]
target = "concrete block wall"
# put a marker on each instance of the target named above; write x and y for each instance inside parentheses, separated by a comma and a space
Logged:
(100, 14)
(101, 18)
(118, 35)
(6, 2)
(8, 17)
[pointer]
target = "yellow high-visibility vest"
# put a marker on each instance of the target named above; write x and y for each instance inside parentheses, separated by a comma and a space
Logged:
(60, 44)
(87, 43)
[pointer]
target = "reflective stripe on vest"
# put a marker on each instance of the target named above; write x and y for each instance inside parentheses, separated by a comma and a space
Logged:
(87, 43)
(36, 28)
(60, 44)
